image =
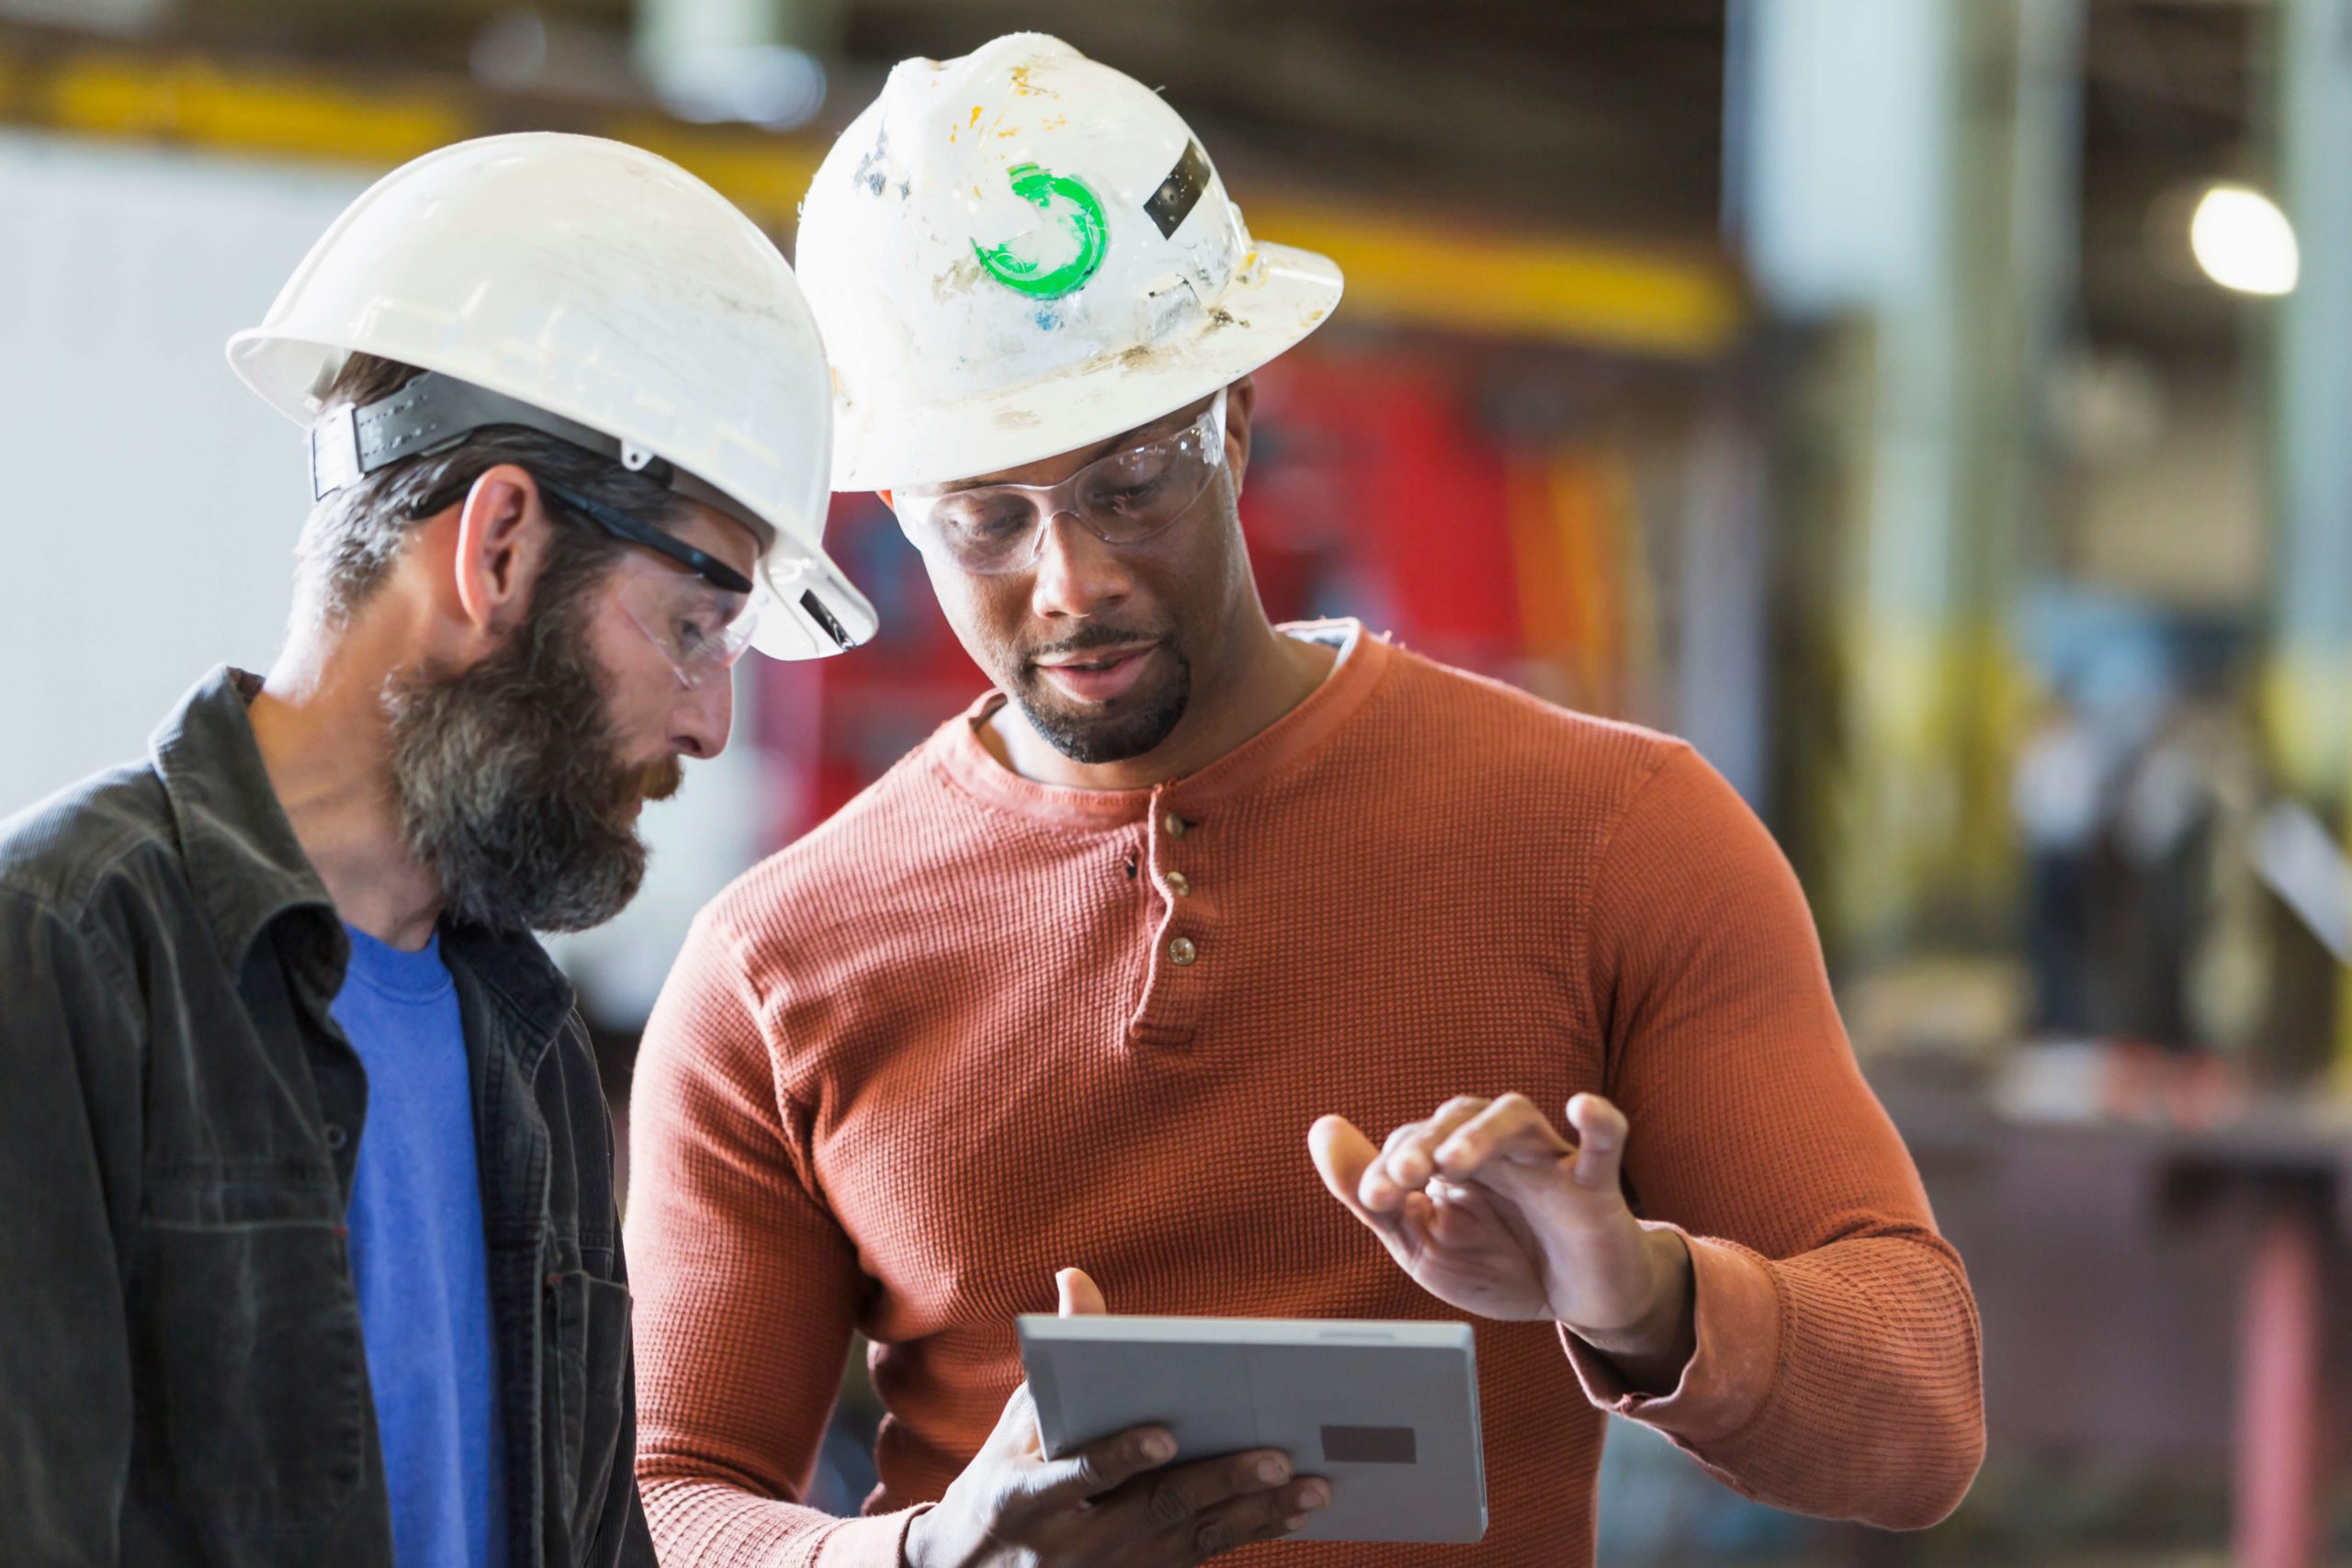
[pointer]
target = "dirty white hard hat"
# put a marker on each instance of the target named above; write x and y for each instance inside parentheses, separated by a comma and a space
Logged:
(1023, 251)
(612, 290)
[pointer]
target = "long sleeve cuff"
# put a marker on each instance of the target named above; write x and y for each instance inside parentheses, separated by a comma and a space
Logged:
(1736, 1310)
(878, 1542)
(715, 1524)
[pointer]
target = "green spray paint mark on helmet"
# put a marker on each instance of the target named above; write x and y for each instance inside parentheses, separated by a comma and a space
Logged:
(1076, 208)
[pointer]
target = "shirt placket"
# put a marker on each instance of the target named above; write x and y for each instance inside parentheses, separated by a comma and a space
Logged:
(1185, 939)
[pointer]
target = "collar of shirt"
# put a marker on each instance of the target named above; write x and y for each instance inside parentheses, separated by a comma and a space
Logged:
(244, 862)
(249, 869)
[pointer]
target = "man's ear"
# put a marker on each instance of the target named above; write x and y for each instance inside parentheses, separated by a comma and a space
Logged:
(1241, 405)
(502, 544)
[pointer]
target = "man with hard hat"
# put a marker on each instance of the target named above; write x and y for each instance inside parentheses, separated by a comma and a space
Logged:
(1110, 971)
(309, 1243)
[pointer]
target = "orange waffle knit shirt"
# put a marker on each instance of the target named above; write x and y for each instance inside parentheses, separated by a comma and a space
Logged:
(951, 1041)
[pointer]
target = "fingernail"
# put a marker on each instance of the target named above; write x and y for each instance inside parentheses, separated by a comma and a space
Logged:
(1272, 1471)
(1160, 1450)
(1313, 1498)
(1296, 1522)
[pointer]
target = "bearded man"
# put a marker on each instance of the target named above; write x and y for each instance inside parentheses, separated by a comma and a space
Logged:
(309, 1233)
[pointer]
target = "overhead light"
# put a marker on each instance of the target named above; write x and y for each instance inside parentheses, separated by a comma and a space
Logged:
(510, 53)
(767, 85)
(2244, 242)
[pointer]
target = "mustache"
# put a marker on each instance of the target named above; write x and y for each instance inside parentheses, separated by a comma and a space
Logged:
(1092, 637)
(662, 780)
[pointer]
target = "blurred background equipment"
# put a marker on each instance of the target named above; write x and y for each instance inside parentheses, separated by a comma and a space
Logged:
(1939, 410)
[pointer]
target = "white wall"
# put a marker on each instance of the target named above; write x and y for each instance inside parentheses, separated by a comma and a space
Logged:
(149, 502)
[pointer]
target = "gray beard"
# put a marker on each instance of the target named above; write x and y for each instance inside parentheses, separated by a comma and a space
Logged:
(510, 787)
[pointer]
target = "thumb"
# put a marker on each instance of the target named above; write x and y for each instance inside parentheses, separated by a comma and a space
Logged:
(1341, 1156)
(1081, 1297)
(1600, 1130)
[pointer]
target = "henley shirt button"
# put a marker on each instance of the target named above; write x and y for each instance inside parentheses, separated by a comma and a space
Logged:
(1179, 884)
(336, 1136)
(1182, 952)
(1176, 826)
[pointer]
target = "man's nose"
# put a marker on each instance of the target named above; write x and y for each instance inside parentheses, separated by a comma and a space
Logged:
(704, 716)
(1077, 574)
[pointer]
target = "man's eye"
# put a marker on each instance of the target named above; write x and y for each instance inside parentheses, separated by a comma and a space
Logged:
(1127, 495)
(987, 521)
(695, 633)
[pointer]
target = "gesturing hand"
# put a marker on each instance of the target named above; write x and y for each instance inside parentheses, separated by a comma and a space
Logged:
(1113, 1504)
(1488, 1208)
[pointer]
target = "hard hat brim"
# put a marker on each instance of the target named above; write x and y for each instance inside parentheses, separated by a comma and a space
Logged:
(1291, 294)
(814, 611)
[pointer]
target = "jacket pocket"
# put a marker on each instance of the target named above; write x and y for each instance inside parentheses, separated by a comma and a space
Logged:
(588, 1367)
(249, 1336)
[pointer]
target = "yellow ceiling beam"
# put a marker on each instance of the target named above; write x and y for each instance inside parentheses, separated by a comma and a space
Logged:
(765, 176)
(246, 110)
(1638, 300)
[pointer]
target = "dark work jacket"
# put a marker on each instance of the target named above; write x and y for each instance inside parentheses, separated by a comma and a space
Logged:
(182, 1378)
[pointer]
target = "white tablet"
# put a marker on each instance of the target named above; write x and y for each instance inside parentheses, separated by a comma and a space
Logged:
(1387, 1412)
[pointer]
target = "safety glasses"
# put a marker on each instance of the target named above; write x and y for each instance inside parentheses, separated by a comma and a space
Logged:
(701, 630)
(1122, 498)
(701, 619)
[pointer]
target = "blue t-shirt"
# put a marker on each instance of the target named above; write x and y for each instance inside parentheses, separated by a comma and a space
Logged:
(418, 1257)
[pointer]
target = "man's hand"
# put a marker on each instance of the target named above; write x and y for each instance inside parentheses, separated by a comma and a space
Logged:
(1490, 1208)
(1110, 1504)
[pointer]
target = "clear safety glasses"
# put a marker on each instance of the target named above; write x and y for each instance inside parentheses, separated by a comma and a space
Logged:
(701, 618)
(700, 615)
(1122, 498)
(700, 628)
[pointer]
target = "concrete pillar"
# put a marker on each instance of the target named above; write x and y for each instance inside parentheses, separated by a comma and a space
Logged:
(2307, 694)
(1906, 172)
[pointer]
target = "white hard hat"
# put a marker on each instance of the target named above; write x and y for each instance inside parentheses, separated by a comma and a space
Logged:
(613, 290)
(1023, 251)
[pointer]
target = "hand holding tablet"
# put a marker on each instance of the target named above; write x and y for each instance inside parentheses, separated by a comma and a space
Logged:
(1116, 1502)
(1385, 1413)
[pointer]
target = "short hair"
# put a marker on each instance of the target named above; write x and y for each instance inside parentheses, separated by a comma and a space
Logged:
(353, 538)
